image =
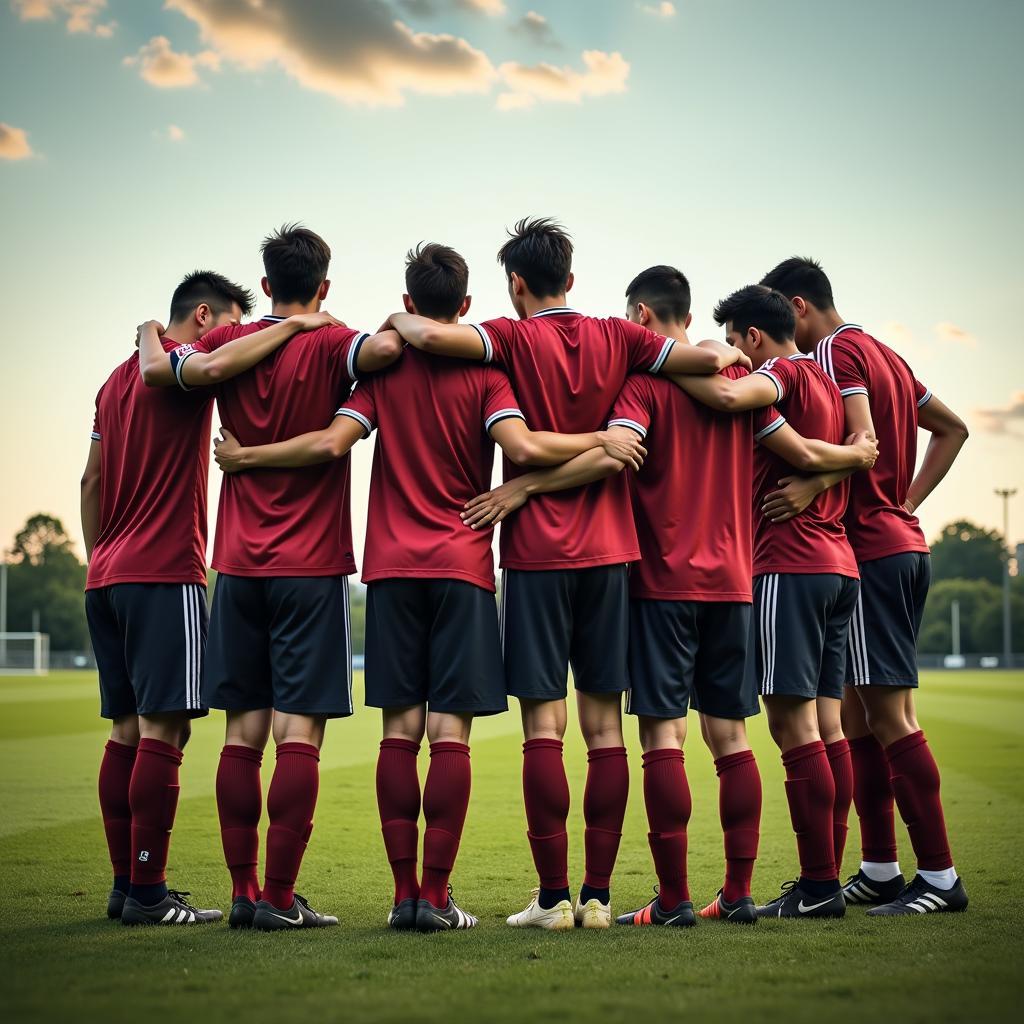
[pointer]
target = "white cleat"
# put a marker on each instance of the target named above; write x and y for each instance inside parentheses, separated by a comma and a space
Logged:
(592, 914)
(558, 918)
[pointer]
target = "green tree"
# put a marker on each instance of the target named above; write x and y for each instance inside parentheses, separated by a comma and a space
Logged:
(965, 551)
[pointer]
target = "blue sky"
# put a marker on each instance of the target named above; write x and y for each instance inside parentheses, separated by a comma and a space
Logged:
(720, 136)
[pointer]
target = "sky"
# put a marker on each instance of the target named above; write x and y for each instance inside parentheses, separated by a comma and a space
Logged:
(141, 140)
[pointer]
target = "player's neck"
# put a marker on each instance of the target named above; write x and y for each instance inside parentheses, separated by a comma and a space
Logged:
(183, 332)
(532, 304)
(287, 309)
(829, 321)
(785, 350)
(668, 328)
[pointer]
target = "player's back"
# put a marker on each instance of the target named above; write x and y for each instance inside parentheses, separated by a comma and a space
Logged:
(154, 465)
(877, 522)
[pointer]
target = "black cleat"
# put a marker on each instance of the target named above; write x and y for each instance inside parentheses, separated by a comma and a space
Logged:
(449, 918)
(402, 916)
(860, 890)
(680, 916)
(115, 904)
(741, 911)
(921, 897)
(171, 910)
(796, 902)
(243, 910)
(299, 915)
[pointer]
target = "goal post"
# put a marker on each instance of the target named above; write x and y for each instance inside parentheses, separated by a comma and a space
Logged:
(24, 654)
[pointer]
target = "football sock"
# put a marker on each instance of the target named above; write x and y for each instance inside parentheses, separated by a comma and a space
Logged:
(880, 872)
(546, 797)
(153, 795)
(940, 879)
(445, 802)
(842, 775)
(811, 793)
(115, 778)
(667, 798)
(604, 807)
(291, 801)
(873, 798)
(739, 808)
(915, 783)
(398, 801)
(239, 806)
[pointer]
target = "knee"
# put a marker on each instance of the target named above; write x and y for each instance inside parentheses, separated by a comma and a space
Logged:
(605, 733)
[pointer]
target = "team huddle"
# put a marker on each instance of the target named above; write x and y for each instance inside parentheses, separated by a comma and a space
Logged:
(687, 524)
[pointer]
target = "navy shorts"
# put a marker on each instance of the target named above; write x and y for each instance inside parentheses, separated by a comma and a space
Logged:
(554, 618)
(433, 642)
(801, 626)
(883, 631)
(149, 640)
(683, 652)
(281, 642)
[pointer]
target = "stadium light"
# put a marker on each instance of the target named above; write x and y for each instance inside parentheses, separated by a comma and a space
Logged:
(1006, 493)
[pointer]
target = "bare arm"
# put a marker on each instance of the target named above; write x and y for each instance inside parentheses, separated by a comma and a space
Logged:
(755, 391)
(527, 447)
(858, 415)
(811, 455)
(460, 341)
(91, 499)
(303, 450)
(706, 357)
(949, 433)
(379, 351)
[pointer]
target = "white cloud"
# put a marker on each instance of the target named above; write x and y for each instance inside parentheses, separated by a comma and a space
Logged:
(953, 335)
(14, 144)
(160, 65)
(662, 10)
(492, 8)
(1001, 419)
(537, 29)
(79, 15)
(898, 336)
(603, 73)
(175, 134)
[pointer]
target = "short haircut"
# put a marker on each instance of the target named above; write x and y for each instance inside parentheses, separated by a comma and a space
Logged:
(757, 306)
(436, 278)
(664, 290)
(539, 250)
(295, 260)
(215, 290)
(800, 275)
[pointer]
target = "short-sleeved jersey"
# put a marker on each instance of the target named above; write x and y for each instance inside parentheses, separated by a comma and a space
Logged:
(814, 541)
(154, 464)
(286, 522)
(691, 499)
(434, 453)
(876, 521)
(567, 370)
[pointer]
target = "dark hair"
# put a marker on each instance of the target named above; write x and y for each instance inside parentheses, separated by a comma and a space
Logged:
(800, 275)
(756, 306)
(215, 290)
(664, 289)
(436, 278)
(540, 252)
(295, 260)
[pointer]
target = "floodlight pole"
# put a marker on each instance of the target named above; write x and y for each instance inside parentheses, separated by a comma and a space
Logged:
(1006, 493)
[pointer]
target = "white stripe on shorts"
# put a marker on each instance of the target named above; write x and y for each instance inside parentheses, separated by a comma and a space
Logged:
(769, 606)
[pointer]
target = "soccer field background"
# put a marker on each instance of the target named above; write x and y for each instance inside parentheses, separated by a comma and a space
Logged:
(64, 961)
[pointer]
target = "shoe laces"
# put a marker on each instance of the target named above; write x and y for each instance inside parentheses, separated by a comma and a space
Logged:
(912, 891)
(179, 897)
(303, 901)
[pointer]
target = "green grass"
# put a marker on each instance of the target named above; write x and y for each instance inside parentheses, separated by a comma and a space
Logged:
(64, 961)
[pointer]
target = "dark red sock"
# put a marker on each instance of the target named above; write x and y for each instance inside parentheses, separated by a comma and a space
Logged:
(604, 807)
(667, 797)
(239, 806)
(842, 775)
(115, 778)
(739, 809)
(811, 794)
(873, 798)
(915, 782)
(153, 795)
(445, 802)
(398, 801)
(546, 796)
(291, 801)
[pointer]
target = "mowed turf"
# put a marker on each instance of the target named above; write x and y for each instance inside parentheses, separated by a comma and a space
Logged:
(64, 961)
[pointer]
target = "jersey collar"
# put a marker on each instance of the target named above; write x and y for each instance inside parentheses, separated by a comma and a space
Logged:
(839, 330)
(799, 355)
(275, 319)
(553, 311)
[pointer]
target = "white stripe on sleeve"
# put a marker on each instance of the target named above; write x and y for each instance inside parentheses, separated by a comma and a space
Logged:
(358, 417)
(632, 424)
(502, 414)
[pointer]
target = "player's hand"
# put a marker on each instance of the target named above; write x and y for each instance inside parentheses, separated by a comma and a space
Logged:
(795, 493)
(866, 446)
(487, 509)
(155, 324)
(314, 321)
(386, 326)
(228, 452)
(624, 447)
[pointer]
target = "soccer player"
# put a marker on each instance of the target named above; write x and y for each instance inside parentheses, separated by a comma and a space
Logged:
(891, 758)
(433, 654)
(144, 522)
(564, 595)
(690, 597)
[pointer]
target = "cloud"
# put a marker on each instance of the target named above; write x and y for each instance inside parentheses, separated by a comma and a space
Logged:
(492, 8)
(79, 15)
(536, 28)
(898, 335)
(14, 143)
(662, 10)
(953, 335)
(161, 66)
(1000, 420)
(527, 84)
(175, 134)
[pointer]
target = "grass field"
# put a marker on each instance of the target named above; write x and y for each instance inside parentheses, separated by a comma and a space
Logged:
(64, 961)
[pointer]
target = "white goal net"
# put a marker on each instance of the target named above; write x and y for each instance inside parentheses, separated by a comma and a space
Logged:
(24, 654)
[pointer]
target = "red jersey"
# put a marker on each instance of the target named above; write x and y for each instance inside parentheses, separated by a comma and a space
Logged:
(876, 520)
(154, 462)
(286, 522)
(692, 497)
(434, 452)
(814, 541)
(568, 370)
